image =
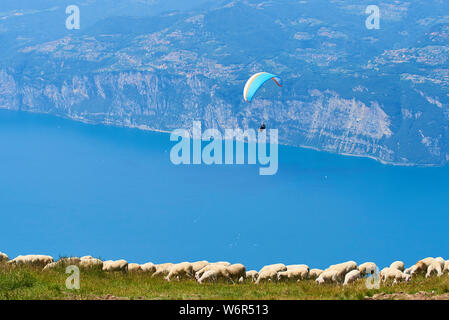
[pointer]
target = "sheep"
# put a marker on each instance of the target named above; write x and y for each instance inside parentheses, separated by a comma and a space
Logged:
(435, 266)
(210, 266)
(222, 263)
(62, 262)
(294, 274)
(441, 261)
(90, 263)
(398, 265)
(446, 266)
(278, 267)
(328, 276)
(395, 275)
(401, 277)
(343, 268)
(268, 274)
(348, 265)
(183, 270)
(148, 267)
(3, 257)
(208, 276)
(112, 266)
(302, 271)
(411, 270)
(86, 258)
(383, 272)
(252, 275)
(42, 260)
(70, 261)
(214, 273)
(296, 266)
(217, 272)
(49, 266)
(422, 265)
(198, 265)
(315, 273)
(134, 267)
(162, 269)
(367, 268)
(237, 271)
(32, 260)
(351, 276)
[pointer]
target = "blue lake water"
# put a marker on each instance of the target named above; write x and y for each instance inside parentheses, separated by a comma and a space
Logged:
(68, 188)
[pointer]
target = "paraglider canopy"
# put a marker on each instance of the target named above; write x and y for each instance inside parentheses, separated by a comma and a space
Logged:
(256, 81)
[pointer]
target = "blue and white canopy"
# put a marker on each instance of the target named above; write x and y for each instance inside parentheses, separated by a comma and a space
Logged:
(256, 81)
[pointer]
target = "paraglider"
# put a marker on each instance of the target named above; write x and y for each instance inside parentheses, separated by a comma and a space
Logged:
(254, 83)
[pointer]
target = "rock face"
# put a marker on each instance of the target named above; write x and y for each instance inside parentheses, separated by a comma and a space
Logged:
(377, 93)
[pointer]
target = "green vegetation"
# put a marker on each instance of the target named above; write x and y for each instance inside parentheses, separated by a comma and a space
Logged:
(32, 283)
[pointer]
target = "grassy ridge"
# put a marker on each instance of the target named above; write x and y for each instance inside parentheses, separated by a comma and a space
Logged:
(32, 283)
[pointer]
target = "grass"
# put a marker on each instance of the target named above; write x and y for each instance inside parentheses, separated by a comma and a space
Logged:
(31, 283)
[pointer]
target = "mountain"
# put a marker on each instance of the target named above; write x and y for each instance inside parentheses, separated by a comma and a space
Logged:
(378, 93)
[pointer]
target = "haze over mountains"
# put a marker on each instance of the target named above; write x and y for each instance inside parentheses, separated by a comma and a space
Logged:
(158, 65)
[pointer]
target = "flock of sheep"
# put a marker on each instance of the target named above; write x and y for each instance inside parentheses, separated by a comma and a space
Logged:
(204, 271)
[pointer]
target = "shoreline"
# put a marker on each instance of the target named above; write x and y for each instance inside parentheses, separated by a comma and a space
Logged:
(150, 129)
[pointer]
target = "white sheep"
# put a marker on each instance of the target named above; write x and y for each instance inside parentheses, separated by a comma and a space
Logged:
(295, 274)
(134, 267)
(251, 275)
(383, 272)
(162, 269)
(183, 270)
(446, 266)
(208, 267)
(367, 268)
(32, 260)
(49, 266)
(208, 276)
(90, 263)
(3, 257)
(411, 270)
(434, 267)
(315, 273)
(343, 268)
(198, 265)
(395, 275)
(296, 266)
(422, 265)
(86, 258)
(113, 266)
(267, 275)
(237, 271)
(328, 276)
(278, 267)
(222, 263)
(64, 262)
(398, 265)
(148, 267)
(441, 261)
(216, 273)
(351, 276)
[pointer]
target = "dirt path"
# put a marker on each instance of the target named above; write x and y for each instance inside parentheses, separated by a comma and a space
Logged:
(422, 295)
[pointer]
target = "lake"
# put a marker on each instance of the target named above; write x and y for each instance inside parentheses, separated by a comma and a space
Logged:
(68, 188)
